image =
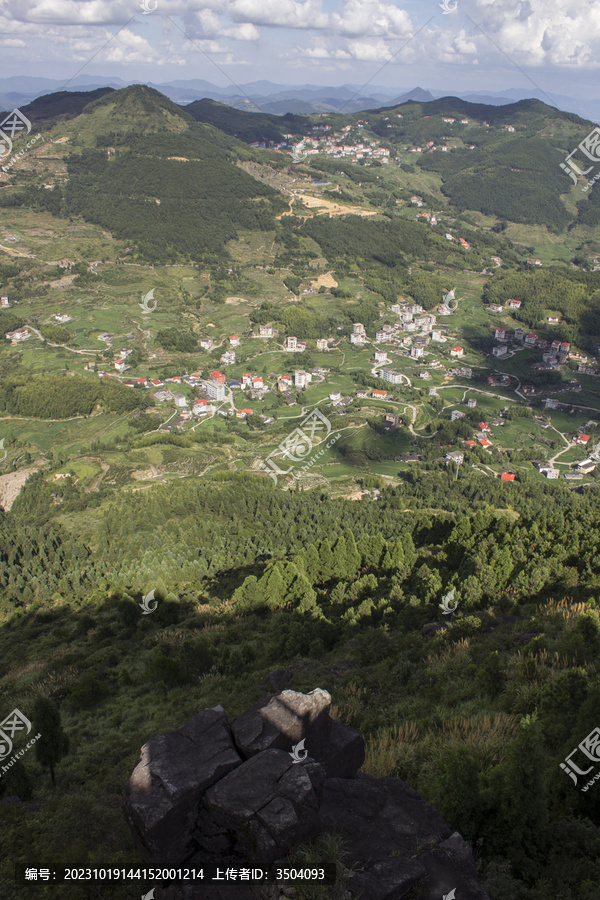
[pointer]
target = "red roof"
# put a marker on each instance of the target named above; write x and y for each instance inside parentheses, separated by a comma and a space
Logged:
(380, 393)
(471, 443)
(483, 425)
(457, 348)
(484, 442)
(583, 438)
(247, 411)
(507, 476)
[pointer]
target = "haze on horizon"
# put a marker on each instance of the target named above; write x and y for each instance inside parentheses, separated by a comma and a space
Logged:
(484, 45)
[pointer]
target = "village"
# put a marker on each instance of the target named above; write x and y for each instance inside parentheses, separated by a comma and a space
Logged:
(413, 341)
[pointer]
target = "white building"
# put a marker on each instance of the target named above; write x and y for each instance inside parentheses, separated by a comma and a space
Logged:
(416, 352)
(21, 334)
(390, 375)
(180, 399)
(214, 390)
(381, 356)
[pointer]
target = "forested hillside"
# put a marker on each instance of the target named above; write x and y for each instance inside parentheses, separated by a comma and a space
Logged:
(477, 718)
(169, 185)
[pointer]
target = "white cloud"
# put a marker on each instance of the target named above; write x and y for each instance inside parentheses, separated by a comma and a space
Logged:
(371, 18)
(530, 33)
(306, 14)
(128, 47)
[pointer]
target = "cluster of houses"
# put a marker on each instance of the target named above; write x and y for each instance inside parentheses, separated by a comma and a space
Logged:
(338, 144)
(554, 354)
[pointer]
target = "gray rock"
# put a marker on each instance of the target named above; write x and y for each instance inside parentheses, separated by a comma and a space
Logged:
(192, 800)
(278, 723)
(165, 788)
(451, 865)
(432, 628)
(267, 804)
(395, 840)
(345, 751)
(277, 679)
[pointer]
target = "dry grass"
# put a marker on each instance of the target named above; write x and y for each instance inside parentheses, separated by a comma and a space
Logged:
(401, 750)
(350, 708)
(54, 684)
(456, 653)
(566, 610)
(390, 749)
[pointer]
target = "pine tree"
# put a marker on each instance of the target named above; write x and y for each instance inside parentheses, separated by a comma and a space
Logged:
(326, 562)
(352, 555)
(339, 558)
(312, 564)
(272, 587)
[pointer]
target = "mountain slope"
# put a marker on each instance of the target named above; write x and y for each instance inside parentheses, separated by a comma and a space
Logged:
(153, 176)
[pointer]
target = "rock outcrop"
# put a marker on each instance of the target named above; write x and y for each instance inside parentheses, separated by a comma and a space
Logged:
(246, 793)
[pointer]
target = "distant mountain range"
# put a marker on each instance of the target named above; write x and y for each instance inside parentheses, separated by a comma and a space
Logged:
(279, 99)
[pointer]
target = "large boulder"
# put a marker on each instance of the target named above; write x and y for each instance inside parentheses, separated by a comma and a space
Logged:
(267, 805)
(395, 840)
(210, 795)
(282, 721)
(164, 791)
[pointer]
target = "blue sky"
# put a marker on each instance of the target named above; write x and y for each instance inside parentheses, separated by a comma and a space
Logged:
(483, 45)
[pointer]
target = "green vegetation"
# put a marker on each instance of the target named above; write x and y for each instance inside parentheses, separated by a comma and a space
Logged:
(349, 563)
(476, 722)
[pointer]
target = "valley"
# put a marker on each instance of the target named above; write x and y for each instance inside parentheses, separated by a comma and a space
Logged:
(299, 403)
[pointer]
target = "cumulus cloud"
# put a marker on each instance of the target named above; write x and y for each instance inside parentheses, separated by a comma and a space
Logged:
(533, 33)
